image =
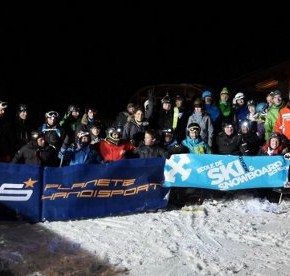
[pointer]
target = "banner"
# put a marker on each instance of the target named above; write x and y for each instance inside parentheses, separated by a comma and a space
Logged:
(88, 191)
(20, 192)
(127, 186)
(225, 172)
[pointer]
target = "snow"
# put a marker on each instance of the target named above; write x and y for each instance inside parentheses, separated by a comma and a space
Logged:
(225, 235)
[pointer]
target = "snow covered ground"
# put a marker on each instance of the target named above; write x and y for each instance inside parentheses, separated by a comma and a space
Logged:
(241, 235)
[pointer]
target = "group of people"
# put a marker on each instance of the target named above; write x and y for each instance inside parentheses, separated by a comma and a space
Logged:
(176, 125)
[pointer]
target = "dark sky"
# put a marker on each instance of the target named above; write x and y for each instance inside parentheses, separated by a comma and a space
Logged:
(54, 51)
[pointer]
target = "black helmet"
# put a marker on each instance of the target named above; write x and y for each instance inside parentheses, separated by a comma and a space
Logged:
(245, 123)
(168, 131)
(275, 135)
(193, 127)
(166, 99)
(227, 123)
(72, 108)
(21, 107)
(112, 130)
(251, 102)
(110, 138)
(35, 135)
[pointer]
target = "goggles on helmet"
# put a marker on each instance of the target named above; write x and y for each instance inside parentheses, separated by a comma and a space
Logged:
(167, 131)
(83, 133)
(51, 114)
(3, 105)
(194, 128)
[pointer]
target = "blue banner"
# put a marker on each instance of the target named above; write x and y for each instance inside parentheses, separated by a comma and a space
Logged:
(88, 191)
(20, 191)
(225, 172)
(127, 186)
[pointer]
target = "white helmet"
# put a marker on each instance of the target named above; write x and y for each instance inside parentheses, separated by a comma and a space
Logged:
(239, 95)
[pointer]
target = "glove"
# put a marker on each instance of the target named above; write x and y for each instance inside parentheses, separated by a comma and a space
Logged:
(287, 156)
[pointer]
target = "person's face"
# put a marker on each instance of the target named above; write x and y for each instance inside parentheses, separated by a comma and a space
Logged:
(23, 115)
(252, 109)
(269, 99)
(168, 137)
(75, 114)
(166, 106)
(148, 139)
(131, 110)
(208, 100)
(85, 140)
(240, 102)
(139, 116)
(2, 112)
(277, 100)
(91, 114)
(244, 129)
(95, 131)
(193, 134)
(51, 121)
(41, 142)
(229, 130)
(116, 135)
(179, 103)
(274, 143)
(224, 97)
(198, 109)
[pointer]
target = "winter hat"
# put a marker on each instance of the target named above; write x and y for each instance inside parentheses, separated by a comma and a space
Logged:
(206, 94)
(224, 91)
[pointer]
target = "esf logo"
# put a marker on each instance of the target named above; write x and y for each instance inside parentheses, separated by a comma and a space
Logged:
(17, 191)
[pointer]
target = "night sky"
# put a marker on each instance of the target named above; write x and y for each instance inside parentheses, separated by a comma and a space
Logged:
(54, 51)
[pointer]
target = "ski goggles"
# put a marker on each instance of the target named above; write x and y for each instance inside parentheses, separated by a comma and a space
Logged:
(3, 105)
(196, 129)
(51, 114)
